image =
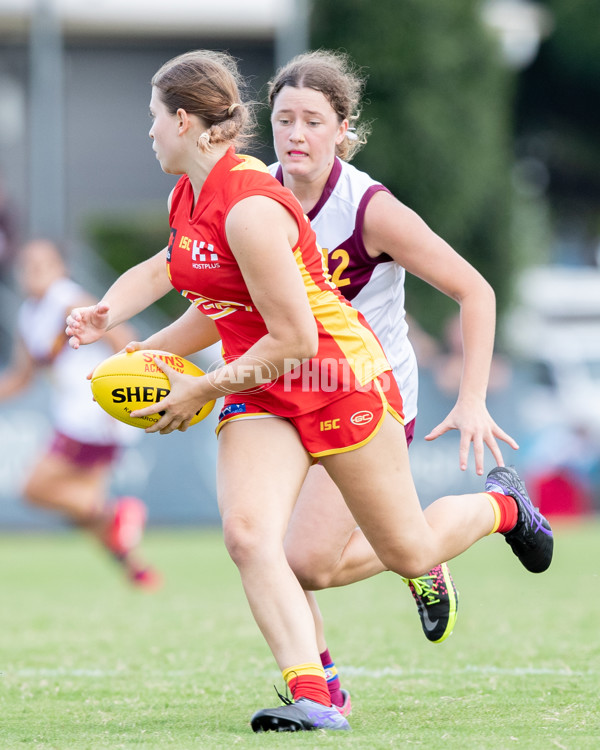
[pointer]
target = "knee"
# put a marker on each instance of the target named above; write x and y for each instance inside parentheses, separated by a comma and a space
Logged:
(408, 569)
(309, 569)
(410, 563)
(244, 541)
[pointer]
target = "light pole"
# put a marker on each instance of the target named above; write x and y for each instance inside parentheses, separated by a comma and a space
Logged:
(293, 34)
(46, 124)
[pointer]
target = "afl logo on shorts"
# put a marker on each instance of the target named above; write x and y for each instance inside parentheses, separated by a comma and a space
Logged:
(361, 417)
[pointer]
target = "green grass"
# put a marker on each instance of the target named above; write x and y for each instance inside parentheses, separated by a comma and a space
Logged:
(88, 663)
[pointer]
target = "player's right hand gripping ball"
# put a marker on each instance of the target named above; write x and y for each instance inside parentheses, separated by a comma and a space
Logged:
(128, 381)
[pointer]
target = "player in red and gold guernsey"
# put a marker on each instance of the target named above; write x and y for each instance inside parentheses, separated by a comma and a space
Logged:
(304, 375)
(203, 268)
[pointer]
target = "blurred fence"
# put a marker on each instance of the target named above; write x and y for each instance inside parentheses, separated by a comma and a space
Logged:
(175, 474)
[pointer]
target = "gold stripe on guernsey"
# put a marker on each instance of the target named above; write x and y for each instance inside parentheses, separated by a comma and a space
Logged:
(250, 162)
(212, 308)
(359, 345)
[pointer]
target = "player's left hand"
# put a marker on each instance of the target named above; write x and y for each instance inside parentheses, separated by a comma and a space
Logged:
(476, 426)
(179, 407)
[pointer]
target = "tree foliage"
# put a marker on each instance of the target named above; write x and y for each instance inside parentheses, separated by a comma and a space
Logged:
(440, 104)
(558, 121)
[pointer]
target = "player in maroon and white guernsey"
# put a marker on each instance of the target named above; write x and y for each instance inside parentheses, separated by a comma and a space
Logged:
(72, 475)
(370, 238)
(304, 374)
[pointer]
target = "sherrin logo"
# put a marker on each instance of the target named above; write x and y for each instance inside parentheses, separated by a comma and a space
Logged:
(128, 381)
(145, 394)
(361, 417)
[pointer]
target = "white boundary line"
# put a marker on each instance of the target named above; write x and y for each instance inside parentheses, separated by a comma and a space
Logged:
(343, 671)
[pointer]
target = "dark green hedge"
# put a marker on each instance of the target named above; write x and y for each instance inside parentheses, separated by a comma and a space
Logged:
(124, 241)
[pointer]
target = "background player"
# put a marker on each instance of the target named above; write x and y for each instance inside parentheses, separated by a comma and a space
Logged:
(370, 239)
(72, 475)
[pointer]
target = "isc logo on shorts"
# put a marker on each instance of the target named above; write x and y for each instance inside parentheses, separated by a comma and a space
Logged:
(361, 417)
(329, 424)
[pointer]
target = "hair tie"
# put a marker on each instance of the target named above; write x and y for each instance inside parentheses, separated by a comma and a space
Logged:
(203, 141)
(232, 108)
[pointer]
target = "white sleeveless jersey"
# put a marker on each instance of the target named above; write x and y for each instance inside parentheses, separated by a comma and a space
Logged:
(41, 325)
(375, 286)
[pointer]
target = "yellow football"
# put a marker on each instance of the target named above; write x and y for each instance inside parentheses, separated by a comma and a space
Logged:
(129, 381)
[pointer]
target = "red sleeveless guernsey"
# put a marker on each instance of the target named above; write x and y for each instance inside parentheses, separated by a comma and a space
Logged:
(203, 269)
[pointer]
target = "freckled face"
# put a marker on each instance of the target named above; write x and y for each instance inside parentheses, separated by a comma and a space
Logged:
(306, 130)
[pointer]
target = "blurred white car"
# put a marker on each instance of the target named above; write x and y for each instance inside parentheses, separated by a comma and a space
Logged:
(554, 331)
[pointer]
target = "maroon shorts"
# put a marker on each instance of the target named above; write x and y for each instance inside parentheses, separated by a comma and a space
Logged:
(83, 454)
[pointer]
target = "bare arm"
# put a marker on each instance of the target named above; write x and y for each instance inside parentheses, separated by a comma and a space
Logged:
(276, 287)
(190, 333)
(392, 228)
(19, 374)
(132, 292)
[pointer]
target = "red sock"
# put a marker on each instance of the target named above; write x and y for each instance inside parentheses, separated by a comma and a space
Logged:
(308, 681)
(506, 512)
(333, 681)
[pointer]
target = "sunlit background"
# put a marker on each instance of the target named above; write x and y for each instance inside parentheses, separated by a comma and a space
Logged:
(485, 120)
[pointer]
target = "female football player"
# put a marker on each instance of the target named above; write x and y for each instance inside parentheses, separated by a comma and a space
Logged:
(71, 476)
(305, 379)
(371, 239)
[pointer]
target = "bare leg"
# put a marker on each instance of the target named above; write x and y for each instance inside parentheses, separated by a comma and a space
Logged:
(261, 466)
(325, 548)
(377, 485)
(78, 493)
(323, 544)
(318, 618)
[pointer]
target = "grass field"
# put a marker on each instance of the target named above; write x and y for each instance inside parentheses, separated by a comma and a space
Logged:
(88, 663)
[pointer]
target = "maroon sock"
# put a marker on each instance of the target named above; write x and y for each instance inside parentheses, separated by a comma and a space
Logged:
(333, 681)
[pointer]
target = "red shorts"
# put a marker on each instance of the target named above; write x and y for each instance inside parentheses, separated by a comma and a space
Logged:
(337, 427)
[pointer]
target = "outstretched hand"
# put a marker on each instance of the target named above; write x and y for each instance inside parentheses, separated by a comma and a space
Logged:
(86, 324)
(476, 426)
